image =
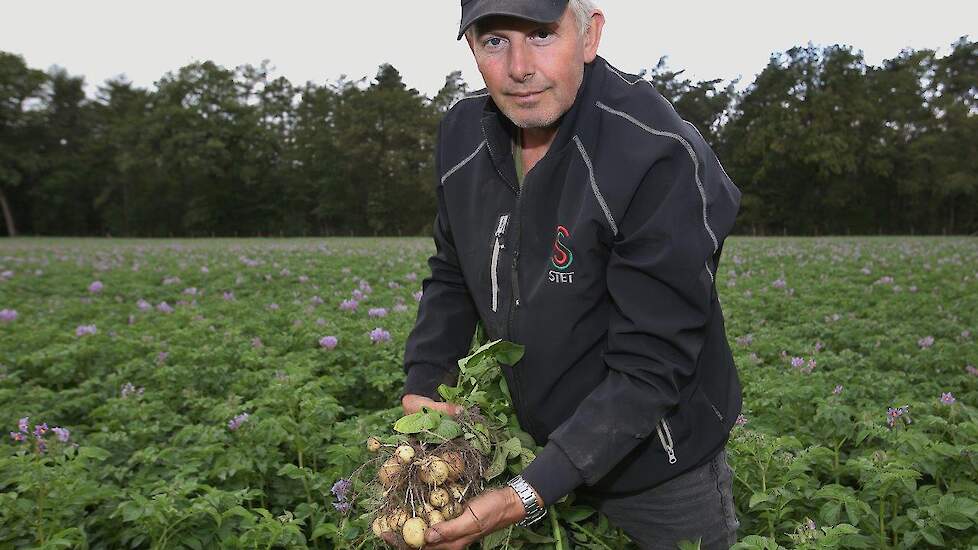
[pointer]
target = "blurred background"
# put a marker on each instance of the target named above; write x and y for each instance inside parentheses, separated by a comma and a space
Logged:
(190, 119)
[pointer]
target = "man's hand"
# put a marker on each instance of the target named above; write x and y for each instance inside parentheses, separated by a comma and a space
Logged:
(488, 512)
(412, 403)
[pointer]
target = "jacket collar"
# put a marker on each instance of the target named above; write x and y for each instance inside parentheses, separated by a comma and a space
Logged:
(580, 120)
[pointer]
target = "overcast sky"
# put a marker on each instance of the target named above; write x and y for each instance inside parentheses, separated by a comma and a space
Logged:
(320, 40)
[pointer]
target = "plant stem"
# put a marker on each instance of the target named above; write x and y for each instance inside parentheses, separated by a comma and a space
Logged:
(558, 540)
(835, 469)
(770, 522)
(587, 532)
(305, 483)
(882, 528)
(40, 514)
(895, 511)
(882, 522)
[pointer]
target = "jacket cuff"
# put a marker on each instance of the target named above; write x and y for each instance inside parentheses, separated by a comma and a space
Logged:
(424, 379)
(552, 474)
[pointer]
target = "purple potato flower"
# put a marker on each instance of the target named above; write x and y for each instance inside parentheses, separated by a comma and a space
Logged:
(40, 429)
(143, 305)
(349, 305)
(342, 507)
(797, 362)
(328, 342)
(893, 414)
(8, 315)
(377, 312)
(237, 421)
(23, 424)
(925, 342)
(164, 307)
(837, 390)
(379, 335)
(417, 295)
(16, 436)
(341, 488)
(947, 398)
(96, 287)
(82, 330)
(62, 433)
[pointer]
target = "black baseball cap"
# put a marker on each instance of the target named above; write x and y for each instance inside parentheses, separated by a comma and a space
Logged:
(541, 11)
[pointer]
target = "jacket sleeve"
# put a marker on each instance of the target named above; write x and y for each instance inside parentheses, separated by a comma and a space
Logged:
(660, 279)
(447, 316)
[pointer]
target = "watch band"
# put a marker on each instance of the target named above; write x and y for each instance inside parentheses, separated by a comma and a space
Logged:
(534, 512)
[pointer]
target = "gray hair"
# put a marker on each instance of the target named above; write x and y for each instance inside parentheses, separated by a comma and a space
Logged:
(582, 14)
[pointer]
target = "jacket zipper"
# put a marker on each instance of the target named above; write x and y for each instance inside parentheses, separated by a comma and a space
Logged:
(667, 446)
(515, 302)
(496, 247)
(515, 390)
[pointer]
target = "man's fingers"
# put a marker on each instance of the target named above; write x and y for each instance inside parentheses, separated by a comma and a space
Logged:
(413, 403)
(450, 409)
(448, 531)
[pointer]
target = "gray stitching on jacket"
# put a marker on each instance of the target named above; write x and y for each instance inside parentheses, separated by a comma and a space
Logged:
(594, 187)
(704, 139)
(461, 164)
(692, 156)
(464, 97)
(673, 107)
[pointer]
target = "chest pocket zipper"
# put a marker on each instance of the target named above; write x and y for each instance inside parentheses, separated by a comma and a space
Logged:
(667, 446)
(494, 262)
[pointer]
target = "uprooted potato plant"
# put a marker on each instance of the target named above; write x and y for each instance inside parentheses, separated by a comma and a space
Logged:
(431, 464)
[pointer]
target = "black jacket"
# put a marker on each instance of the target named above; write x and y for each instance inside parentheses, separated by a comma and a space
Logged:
(603, 266)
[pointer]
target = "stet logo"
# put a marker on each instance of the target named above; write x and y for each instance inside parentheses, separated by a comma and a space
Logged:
(562, 258)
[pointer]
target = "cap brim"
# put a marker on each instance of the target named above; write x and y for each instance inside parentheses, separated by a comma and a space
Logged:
(540, 12)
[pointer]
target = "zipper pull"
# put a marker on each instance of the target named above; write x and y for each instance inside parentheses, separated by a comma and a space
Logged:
(672, 455)
(501, 226)
(501, 230)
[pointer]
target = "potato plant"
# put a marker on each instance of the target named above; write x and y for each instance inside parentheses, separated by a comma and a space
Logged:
(214, 393)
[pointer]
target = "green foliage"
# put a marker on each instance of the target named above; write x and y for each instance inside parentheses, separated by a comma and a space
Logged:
(161, 468)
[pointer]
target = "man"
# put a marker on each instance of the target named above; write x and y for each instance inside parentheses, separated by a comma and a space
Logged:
(580, 216)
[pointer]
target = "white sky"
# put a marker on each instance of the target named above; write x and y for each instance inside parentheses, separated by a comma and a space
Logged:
(320, 40)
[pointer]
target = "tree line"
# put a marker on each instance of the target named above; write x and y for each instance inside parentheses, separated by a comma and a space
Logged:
(821, 142)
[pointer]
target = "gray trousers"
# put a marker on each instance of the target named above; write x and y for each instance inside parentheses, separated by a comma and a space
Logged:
(697, 504)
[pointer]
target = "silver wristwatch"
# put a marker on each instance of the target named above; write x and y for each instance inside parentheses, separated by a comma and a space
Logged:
(534, 512)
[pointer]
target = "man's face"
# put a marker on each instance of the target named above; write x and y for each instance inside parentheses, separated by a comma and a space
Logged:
(533, 70)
